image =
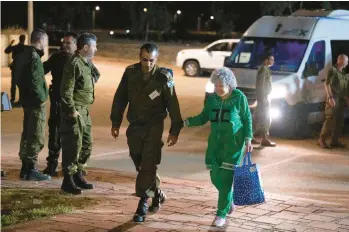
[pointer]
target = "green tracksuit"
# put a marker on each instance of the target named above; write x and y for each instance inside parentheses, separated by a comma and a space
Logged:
(231, 125)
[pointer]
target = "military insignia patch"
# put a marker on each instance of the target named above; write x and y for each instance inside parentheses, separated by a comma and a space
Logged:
(170, 83)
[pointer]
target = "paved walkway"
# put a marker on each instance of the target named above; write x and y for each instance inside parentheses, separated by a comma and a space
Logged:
(190, 207)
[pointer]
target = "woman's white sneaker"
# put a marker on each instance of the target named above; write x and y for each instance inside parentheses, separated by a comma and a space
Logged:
(219, 222)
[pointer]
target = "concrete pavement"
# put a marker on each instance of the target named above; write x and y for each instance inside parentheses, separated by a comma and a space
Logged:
(191, 207)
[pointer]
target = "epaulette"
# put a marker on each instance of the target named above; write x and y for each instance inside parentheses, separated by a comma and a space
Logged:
(169, 74)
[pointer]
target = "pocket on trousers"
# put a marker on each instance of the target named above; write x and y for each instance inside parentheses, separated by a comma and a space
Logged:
(69, 124)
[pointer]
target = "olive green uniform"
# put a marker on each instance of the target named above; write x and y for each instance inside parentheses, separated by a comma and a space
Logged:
(150, 97)
(263, 89)
(29, 74)
(55, 65)
(77, 93)
(339, 85)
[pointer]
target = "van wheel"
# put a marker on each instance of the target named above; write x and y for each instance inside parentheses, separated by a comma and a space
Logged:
(191, 68)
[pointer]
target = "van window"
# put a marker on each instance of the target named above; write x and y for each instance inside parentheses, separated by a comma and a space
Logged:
(340, 47)
(288, 53)
(316, 59)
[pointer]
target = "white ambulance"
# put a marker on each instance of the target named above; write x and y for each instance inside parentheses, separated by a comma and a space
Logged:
(305, 45)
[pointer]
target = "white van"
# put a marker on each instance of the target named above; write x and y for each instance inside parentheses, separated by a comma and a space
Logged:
(305, 45)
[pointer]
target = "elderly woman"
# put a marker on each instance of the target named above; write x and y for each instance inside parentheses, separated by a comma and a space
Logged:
(231, 133)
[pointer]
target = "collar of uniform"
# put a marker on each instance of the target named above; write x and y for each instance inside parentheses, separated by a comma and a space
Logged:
(40, 52)
(336, 67)
(81, 58)
(152, 71)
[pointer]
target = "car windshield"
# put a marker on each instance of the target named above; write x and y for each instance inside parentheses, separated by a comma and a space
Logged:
(288, 53)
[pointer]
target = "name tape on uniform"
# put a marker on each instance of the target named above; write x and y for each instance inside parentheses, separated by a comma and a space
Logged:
(154, 95)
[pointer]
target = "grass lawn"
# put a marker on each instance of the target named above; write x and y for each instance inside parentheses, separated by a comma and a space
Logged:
(20, 205)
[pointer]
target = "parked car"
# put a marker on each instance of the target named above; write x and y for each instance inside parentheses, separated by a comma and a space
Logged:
(195, 61)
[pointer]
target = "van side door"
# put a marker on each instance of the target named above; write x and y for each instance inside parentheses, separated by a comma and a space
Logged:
(314, 74)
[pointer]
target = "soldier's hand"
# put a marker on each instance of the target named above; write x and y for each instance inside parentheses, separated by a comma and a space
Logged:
(12, 41)
(115, 132)
(332, 102)
(172, 140)
(74, 115)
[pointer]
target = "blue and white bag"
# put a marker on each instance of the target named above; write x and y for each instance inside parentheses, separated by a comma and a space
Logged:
(248, 187)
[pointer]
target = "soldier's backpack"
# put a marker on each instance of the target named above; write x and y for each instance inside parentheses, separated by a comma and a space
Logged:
(5, 102)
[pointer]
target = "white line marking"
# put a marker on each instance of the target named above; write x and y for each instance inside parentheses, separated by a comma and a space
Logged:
(109, 153)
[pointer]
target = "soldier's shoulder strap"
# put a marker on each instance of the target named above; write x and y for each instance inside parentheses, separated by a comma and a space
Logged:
(168, 73)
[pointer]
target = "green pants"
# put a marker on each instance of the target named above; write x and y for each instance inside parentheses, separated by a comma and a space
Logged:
(145, 144)
(222, 179)
(262, 119)
(76, 138)
(334, 120)
(33, 134)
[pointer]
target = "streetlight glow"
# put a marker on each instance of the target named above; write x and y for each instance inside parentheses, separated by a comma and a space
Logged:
(179, 12)
(127, 31)
(145, 9)
(97, 8)
(212, 17)
(111, 32)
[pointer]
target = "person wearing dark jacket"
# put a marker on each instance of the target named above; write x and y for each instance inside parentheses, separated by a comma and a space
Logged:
(30, 76)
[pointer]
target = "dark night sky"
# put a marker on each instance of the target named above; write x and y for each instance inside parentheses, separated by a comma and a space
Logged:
(112, 16)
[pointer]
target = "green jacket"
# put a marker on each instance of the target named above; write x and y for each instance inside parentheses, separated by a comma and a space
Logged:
(30, 77)
(231, 126)
(338, 82)
(149, 100)
(77, 86)
(263, 82)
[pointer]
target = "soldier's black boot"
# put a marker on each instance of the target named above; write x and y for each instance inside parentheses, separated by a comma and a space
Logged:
(141, 211)
(81, 182)
(69, 186)
(34, 174)
(157, 201)
(24, 170)
(51, 169)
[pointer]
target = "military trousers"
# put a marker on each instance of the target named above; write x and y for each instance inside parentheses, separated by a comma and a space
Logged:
(54, 136)
(76, 138)
(334, 120)
(262, 120)
(33, 134)
(145, 144)
(222, 179)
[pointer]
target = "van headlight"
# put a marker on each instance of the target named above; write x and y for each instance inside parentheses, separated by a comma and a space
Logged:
(209, 87)
(278, 92)
(274, 113)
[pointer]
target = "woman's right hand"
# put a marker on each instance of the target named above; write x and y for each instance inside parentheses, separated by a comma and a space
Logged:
(249, 147)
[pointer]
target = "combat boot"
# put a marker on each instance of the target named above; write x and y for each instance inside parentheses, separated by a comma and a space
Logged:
(81, 182)
(141, 211)
(69, 186)
(322, 143)
(157, 201)
(267, 143)
(33, 174)
(51, 169)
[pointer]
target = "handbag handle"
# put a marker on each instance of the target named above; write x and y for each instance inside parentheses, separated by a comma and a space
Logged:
(247, 159)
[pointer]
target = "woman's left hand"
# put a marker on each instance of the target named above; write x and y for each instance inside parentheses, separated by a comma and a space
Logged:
(249, 147)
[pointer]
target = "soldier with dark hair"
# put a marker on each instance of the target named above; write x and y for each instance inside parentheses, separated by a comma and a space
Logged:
(55, 65)
(15, 50)
(263, 89)
(29, 73)
(149, 91)
(77, 93)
